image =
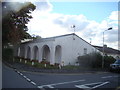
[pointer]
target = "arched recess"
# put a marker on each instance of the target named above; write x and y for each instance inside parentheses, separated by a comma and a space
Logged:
(18, 52)
(22, 51)
(46, 53)
(35, 53)
(58, 51)
(28, 52)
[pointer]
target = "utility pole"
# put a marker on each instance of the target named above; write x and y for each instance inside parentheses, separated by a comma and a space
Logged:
(103, 47)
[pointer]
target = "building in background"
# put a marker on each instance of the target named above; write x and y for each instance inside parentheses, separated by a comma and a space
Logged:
(109, 51)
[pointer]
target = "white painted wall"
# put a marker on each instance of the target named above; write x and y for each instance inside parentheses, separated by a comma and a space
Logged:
(40, 45)
(71, 45)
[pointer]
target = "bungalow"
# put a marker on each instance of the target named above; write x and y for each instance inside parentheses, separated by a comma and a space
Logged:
(62, 49)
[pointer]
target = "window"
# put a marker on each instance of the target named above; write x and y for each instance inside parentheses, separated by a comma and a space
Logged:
(85, 50)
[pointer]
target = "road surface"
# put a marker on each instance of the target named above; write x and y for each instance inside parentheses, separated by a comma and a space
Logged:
(13, 78)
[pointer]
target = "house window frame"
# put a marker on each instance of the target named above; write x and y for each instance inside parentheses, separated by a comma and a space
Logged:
(85, 50)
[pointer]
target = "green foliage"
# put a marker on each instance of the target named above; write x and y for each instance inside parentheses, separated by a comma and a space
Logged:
(7, 54)
(14, 21)
(94, 60)
(71, 67)
(108, 60)
(36, 64)
(42, 66)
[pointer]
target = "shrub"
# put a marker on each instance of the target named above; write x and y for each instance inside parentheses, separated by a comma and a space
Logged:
(7, 54)
(94, 60)
(36, 64)
(108, 60)
(44, 62)
(71, 67)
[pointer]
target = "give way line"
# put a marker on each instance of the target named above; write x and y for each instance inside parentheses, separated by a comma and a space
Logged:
(95, 85)
(51, 85)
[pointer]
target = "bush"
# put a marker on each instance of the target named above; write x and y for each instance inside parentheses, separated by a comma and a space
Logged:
(7, 54)
(71, 67)
(108, 60)
(94, 60)
(36, 63)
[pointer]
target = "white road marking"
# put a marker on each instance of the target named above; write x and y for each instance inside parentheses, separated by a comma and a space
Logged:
(81, 86)
(39, 86)
(84, 86)
(18, 72)
(24, 76)
(28, 79)
(33, 83)
(50, 85)
(21, 74)
(100, 85)
(107, 77)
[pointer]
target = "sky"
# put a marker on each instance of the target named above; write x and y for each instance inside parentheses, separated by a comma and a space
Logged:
(92, 10)
(91, 19)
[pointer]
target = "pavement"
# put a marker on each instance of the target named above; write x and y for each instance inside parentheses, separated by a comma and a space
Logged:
(28, 68)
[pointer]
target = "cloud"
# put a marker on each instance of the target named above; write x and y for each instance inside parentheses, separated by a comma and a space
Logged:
(43, 25)
(46, 24)
(111, 36)
(44, 6)
(114, 15)
(66, 21)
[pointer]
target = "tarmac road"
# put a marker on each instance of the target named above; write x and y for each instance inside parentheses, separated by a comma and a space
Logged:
(13, 78)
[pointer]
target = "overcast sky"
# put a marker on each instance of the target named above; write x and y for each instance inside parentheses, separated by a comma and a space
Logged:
(90, 18)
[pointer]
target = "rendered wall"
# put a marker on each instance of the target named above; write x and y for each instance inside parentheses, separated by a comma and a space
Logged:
(69, 47)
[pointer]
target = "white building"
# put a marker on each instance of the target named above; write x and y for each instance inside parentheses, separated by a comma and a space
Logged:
(62, 49)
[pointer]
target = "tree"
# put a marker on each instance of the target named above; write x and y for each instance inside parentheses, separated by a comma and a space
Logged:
(15, 17)
(36, 36)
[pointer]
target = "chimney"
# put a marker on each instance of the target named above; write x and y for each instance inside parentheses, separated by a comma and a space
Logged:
(105, 46)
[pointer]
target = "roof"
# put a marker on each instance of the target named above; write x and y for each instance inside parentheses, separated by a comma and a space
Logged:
(51, 38)
(60, 36)
(107, 50)
(67, 35)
